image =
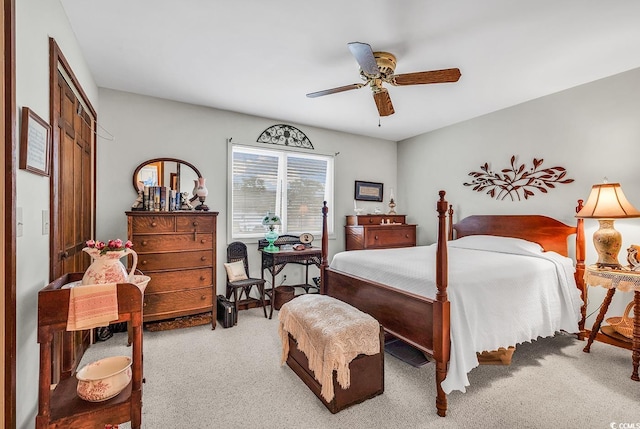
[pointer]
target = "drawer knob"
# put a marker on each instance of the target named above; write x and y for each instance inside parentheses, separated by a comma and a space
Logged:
(144, 243)
(203, 258)
(143, 263)
(406, 236)
(375, 238)
(195, 223)
(201, 278)
(203, 241)
(154, 224)
(203, 297)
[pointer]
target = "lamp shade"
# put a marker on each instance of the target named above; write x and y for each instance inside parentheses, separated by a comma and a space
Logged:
(271, 219)
(607, 201)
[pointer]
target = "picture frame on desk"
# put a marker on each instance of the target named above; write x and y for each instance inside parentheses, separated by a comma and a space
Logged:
(368, 191)
(35, 143)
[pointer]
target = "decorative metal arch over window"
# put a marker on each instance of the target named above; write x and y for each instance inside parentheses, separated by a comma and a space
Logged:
(285, 135)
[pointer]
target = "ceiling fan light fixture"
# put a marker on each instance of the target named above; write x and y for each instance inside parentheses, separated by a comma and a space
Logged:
(378, 67)
(386, 64)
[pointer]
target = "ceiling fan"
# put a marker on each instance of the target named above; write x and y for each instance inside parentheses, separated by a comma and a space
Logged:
(379, 67)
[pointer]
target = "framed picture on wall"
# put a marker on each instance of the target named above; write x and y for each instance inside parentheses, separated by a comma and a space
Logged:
(368, 191)
(35, 143)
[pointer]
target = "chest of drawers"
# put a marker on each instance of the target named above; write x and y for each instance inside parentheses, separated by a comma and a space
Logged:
(378, 232)
(178, 251)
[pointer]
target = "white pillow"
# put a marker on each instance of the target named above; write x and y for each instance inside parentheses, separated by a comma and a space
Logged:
(235, 271)
(493, 243)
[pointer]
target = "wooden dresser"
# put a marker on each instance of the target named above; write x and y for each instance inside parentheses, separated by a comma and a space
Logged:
(369, 232)
(178, 251)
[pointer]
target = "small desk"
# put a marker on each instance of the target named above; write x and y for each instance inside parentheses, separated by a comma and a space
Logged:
(613, 280)
(275, 262)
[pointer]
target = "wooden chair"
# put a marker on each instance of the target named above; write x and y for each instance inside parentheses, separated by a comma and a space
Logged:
(237, 251)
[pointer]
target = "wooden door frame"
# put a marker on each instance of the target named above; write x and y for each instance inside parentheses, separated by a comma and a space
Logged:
(8, 234)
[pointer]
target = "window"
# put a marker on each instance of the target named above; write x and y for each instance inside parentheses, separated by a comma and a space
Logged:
(292, 185)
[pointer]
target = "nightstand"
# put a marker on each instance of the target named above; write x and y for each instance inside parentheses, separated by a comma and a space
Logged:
(613, 280)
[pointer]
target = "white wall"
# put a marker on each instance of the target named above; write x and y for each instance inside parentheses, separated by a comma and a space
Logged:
(36, 21)
(144, 128)
(592, 130)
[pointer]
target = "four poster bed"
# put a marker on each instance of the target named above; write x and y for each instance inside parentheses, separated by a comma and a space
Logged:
(532, 291)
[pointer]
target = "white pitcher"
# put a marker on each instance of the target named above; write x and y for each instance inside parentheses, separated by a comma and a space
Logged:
(107, 268)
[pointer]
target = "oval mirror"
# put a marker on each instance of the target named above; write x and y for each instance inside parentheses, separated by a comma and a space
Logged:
(174, 173)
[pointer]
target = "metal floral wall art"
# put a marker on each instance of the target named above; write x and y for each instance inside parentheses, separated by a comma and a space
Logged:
(517, 181)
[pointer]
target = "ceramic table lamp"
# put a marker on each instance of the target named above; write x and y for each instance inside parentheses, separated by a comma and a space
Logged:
(606, 203)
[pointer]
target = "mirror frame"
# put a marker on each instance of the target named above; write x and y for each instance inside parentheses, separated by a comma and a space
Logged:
(151, 161)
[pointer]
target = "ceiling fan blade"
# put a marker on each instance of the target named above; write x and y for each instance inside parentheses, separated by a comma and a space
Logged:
(383, 102)
(434, 76)
(365, 58)
(335, 90)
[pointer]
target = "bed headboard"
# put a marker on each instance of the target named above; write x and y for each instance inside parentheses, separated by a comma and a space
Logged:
(550, 233)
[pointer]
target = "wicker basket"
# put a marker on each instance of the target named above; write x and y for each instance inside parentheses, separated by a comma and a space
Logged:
(624, 324)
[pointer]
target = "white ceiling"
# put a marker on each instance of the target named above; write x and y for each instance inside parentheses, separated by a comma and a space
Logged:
(261, 57)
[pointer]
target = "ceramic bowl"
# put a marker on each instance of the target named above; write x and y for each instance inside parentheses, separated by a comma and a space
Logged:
(104, 379)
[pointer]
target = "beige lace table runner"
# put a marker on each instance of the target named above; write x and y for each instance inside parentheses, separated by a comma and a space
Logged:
(624, 280)
(330, 333)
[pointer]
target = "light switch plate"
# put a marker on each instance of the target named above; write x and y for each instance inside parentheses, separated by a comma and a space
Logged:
(19, 222)
(45, 222)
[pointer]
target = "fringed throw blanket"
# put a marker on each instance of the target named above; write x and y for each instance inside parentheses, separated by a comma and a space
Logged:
(330, 333)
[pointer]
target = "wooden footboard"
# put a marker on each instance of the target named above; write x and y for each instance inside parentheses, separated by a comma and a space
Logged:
(402, 314)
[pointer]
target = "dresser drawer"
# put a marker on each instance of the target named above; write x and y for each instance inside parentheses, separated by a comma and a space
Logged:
(194, 223)
(152, 224)
(392, 236)
(167, 305)
(177, 260)
(171, 242)
(374, 219)
(169, 281)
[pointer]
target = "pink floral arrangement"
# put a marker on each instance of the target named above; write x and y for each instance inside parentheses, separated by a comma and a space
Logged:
(110, 246)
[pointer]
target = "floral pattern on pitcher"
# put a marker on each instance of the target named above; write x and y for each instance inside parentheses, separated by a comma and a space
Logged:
(106, 266)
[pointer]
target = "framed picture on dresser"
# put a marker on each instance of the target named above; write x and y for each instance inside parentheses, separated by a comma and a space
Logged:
(368, 191)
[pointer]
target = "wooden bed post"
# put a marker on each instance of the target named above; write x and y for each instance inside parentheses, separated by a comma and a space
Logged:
(441, 308)
(579, 275)
(325, 248)
(450, 224)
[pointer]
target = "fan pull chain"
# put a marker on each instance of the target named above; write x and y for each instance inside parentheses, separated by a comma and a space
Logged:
(378, 122)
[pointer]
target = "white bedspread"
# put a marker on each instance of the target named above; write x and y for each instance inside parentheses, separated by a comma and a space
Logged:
(503, 291)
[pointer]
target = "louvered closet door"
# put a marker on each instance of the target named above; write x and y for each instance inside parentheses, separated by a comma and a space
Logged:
(71, 208)
(74, 192)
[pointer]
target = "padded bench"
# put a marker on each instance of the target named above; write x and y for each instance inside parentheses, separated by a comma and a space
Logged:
(335, 349)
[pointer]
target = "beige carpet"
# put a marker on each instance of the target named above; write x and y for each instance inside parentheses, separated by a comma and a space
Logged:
(231, 378)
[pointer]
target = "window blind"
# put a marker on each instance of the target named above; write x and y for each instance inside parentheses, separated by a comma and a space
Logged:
(289, 184)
